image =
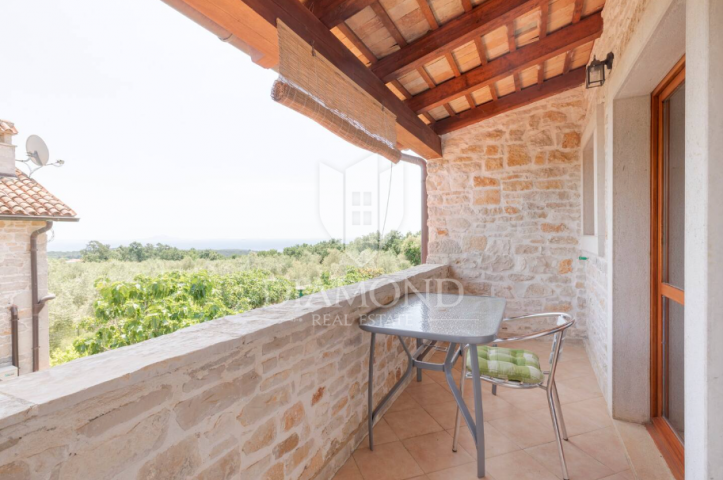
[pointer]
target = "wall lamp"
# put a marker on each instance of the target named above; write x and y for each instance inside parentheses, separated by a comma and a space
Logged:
(596, 71)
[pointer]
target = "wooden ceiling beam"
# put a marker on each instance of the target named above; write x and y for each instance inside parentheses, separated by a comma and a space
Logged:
(357, 42)
(467, 5)
(577, 12)
(511, 40)
(389, 24)
(428, 14)
(544, 12)
(333, 12)
(411, 130)
(554, 44)
(512, 101)
(483, 19)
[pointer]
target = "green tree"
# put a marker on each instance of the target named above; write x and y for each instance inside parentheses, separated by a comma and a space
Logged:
(412, 249)
(96, 251)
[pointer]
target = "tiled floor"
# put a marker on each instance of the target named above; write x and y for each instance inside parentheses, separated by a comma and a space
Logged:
(414, 438)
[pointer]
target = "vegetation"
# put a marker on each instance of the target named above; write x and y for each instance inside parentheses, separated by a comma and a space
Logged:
(118, 297)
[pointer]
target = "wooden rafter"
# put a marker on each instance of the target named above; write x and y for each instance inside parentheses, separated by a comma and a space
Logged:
(389, 24)
(527, 96)
(577, 12)
(568, 62)
(481, 50)
(453, 64)
(493, 92)
(470, 100)
(425, 76)
(518, 83)
(411, 130)
(511, 40)
(428, 14)
(357, 42)
(544, 12)
(467, 5)
(333, 12)
(402, 89)
(429, 117)
(541, 73)
(556, 43)
(481, 20)
(450, 110)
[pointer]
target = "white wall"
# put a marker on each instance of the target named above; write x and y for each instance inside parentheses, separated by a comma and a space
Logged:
(704, 241)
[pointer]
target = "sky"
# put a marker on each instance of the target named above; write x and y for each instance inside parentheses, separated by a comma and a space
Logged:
(167, 133)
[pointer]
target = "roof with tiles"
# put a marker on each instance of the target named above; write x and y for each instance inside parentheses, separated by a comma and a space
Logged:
(7, 127)
(24, 197)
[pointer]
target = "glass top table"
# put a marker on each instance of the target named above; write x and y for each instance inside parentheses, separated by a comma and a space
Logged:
(438, 317)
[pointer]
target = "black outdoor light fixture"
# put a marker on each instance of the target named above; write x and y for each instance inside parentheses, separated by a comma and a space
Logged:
(596, 71)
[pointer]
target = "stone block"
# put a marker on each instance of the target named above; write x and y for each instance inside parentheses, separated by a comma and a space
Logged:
(486, 197)
(176, 463)
(262, 437)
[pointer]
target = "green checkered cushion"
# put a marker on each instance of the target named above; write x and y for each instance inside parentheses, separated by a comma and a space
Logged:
(508, 364)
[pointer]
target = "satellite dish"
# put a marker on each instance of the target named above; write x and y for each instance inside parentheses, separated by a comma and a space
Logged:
(37, 150)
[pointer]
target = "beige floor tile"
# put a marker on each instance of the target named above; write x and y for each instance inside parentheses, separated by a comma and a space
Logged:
(441, 378)
(443, 413)
(518, 465)
(626, 475)
(411, 423)
(527, 400)
(525, 431)
(405, 401)
(605, 447)
(495, 442)
(468, 471)
(580, 465)
(576, 389)
(570, 369)
(414, 384)
(349, 471)
(431, 394)
(433, 452)
(595, 409)
(383, 433)
(493, 407)
(387, 462)
(577, 421)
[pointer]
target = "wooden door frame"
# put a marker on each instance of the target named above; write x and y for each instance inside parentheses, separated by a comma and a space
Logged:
(666, 440)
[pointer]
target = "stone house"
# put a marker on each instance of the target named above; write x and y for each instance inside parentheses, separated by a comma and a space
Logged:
(27, 212)
(593, 201)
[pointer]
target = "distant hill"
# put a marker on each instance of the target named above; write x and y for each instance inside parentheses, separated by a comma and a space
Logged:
(75, 255)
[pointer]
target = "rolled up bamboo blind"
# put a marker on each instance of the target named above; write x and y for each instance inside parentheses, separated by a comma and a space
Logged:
(311, 85)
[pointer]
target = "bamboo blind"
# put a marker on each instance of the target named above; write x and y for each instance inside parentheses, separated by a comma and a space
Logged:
(311, 85)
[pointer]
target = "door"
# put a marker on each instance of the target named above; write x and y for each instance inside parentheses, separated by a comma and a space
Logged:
(667, 262)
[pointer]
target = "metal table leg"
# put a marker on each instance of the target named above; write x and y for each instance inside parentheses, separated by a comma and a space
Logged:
(476, 425)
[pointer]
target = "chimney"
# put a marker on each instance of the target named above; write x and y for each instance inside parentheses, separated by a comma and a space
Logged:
(7, 149)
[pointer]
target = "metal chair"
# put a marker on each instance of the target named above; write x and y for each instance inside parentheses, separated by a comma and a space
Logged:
(564, 321)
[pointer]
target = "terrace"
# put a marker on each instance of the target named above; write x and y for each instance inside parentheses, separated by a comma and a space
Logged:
(539, 191)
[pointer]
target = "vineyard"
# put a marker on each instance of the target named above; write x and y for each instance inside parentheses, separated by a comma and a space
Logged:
(108, 301)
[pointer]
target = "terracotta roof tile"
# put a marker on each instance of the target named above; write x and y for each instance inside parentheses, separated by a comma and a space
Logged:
(7, 127)
(24, 197)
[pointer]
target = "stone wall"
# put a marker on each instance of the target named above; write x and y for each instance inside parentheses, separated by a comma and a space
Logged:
(275, 393)
(504, 208)
(15, 289)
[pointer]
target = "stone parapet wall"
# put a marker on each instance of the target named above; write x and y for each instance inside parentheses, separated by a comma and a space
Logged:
(504, 208)
(15, 290)
(275, 393)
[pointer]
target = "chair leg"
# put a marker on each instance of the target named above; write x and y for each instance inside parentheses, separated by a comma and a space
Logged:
(455, 440)
(558, 407)
(558, 435)
(494, 387)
